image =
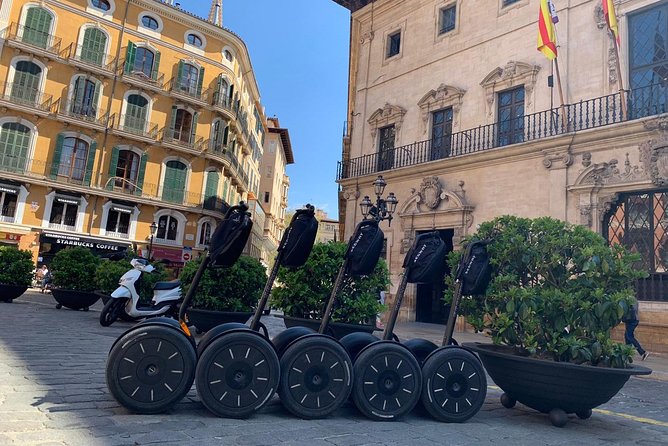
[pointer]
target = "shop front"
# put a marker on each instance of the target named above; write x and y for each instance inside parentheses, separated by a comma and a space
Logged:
(50, 243)
(9, 239)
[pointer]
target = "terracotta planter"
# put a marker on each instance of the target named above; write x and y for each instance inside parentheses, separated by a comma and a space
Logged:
(335, 329)
(11, 292)
(76, 300)
(205, 320)
(557, 388)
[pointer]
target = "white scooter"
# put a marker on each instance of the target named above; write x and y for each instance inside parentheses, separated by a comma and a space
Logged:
(125, 299)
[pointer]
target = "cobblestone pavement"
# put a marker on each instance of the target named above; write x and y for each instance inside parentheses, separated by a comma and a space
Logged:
(53, 392)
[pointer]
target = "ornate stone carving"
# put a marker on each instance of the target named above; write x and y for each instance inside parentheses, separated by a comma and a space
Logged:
(612, 66)
(444, 96)
(513, 73)
(660, 124)
(585, 215)
(609, 173)
(565, 158)
(654, 157)
(351, 193)
(586, 159)
(388, 115)
(431, 192)
(599, 18)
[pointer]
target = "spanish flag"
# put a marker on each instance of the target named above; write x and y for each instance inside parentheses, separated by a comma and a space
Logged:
(611, 18)
(547, 38)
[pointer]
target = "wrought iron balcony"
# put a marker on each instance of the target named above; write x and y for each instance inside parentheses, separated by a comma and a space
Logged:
(24, 96)
(583, 115)
(99, 62)
(135, 126)
(181, 138)
(187, 89)
(32, 40)
(82, 112)
(222, 101)
(154, 81)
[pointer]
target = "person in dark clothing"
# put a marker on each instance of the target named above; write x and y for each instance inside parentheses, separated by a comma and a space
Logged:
(631, 322)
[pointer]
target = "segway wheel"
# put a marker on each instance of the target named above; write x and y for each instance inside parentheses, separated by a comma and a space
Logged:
(316, 377)
(237, 374)
(387, 381)
(151, 368)
(455, 385)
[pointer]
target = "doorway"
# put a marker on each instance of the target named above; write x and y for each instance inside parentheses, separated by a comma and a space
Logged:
(429, 306)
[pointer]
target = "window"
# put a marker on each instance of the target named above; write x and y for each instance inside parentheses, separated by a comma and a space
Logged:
(204, 234)
(447, 19)
(73, 158)
(188, 77)
(150, 22)
(8, 201)
(393, 44)
(228, 55)
(195, 40)
(219, 135)
(14, 146)
(182, 125)
(136, 111)
(84, 98)
(174, 182)
(168, 228)
(27, 78)
(509, 2)
(102, 5)
(64, 213)
(37, 27)
(211, 190)
(144, 59)
(441, 132)
(94, 46)
(127, 169)
(386, 147)
(118, 221)
(511, 116)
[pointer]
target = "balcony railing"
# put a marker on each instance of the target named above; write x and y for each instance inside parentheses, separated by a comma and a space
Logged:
(155, 79)
(62, 226)
(33, 38)
(583, 115)
(136, 126)
(87, 56)
(183, 138)
(83, 112)
(29, 97)
(222, 101)
(186, 88)
(8, 214)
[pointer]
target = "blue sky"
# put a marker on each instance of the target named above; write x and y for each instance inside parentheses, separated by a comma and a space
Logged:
(299, 51)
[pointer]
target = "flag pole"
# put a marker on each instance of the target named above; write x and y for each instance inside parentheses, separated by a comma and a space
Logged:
(620, 79)
(561, 94)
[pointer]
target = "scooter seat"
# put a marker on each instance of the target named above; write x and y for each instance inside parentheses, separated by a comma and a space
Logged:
(161, 286)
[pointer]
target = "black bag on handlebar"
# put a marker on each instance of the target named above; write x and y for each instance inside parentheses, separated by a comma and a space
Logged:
(425, 262)
(364, 248)
(298, 239)
(228, 240)
(474, 270)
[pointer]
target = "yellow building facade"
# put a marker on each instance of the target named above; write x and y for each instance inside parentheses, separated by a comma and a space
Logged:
(116, 115)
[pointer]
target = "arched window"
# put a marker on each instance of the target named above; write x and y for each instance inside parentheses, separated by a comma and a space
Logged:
(14, 146)
(73, 159)
(228, 55)
(204, 234)
(168, 228)
(183, 125)
(149, 22)
(102, 5)
(84, 97)
(94, 46)
(37, 27)
(27, 78)
(144, 59)
(195, 40)
(211, 189)
(174, 182)
(127, 170)
(136, 111)
(188, 78)
(219, 133)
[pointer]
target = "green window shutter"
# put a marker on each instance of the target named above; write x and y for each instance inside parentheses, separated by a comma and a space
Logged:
(200, 81)
(113, 163)
(130, 54)
(179, 73)
(78, 96)
(219, 88)
(93, 46)
(96, 97)
(156, 66)
(55, 163)
(141, 173)
(175, 182)
(172, 123)
(231, 94)
(193, 130)
(37, 27)
(90, 163)
(211, 190)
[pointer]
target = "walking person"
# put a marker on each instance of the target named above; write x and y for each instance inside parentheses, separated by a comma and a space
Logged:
(631, 322)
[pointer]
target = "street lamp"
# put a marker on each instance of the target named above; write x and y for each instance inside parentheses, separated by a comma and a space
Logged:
(152, 228)
(384, 208)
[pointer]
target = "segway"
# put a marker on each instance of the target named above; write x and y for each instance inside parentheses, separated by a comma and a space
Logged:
(454, 382)
(152, 365)
(316, 370)
(388, 379)
(238, 369)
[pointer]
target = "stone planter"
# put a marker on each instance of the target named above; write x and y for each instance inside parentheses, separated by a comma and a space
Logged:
(205, 320)
(75, 300)
(10, 292)
(557, 388)
(335, 329)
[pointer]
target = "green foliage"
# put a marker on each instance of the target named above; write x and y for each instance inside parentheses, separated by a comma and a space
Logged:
(237, 288)
(110, 271)
(304, 291)
(74, 269)
(557, 290)
(16, 267)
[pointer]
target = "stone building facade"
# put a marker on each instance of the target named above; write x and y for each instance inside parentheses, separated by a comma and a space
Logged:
(453, 105)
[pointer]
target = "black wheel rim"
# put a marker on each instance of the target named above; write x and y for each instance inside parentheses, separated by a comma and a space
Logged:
(390, 383)
(456, 387)
(150, 370)
(238, 377)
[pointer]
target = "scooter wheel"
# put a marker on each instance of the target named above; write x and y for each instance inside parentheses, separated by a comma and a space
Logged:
(455, 385)
(316, 376)
(388, 381)
(151, 368)
(111, 311)
(237, 374)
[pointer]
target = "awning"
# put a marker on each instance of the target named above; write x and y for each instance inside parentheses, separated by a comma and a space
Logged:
(64, 240)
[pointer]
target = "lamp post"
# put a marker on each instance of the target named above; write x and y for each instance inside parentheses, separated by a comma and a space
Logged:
(383, 208)
(152, 228)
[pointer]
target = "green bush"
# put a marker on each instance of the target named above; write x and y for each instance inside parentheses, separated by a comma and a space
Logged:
(74, 269)
(110, 271)
(17, 266)
(237, 288)
(304, 291)
(557, 290)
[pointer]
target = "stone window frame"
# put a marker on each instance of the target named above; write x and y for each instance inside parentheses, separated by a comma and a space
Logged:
(134, 216)
(504, 9)
(438, 36)
(445, 96)
(388, 115)
(180, 230)
(513, 74)
(200, 226)
(400, 28)
(48, 206)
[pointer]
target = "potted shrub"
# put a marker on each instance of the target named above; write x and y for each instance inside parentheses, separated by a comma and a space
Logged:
(224, 294)
(74, 278)
(304, 292)
(16, 272)
(557, 291)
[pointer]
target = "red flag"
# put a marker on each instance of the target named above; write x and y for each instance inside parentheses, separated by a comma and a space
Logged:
(611, 18)
(547, 38)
